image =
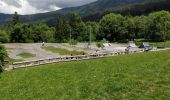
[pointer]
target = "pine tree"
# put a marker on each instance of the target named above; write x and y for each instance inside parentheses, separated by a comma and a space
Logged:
(75, 22)
(62, 30)
(16, 18)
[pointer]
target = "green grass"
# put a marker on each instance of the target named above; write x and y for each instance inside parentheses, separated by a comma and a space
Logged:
(26, 55)
(157, 44)
(11, 48)
(13, 60)
(62, 51)
(10, 60)
(161, 44)
(129, 77)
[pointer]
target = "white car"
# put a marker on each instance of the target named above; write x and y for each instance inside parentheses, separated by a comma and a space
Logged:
(106, 44)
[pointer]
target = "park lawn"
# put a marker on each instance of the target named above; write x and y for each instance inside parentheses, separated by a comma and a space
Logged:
(144, 76)
(157, 44)
(62, 51)
(161, 44)
(26, 55)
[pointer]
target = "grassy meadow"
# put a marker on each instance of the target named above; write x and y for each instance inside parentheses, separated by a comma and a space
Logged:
(144, 76)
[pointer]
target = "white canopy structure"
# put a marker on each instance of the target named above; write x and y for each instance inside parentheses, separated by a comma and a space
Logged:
(132, 44)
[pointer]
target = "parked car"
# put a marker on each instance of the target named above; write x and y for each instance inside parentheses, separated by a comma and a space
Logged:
(146, 46)
(106, 44)
(131, 47)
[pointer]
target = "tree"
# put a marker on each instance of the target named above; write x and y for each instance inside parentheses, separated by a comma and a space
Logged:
(26, 33)
(75, 22)
(63, 30)
(112, 25)
(16, 18)
(16, 35)
(42, 33)
(15, 28)
(50, 35)
(3, 55)
(94, 29)
(140, 26)
(83, 32)
(131, 28)
(158, 26)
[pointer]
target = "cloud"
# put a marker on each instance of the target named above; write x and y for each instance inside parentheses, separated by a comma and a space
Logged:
(60, 3)
(23, 7)
(37, 6)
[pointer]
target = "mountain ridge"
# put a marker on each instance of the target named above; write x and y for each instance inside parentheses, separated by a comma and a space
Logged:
(99, 6)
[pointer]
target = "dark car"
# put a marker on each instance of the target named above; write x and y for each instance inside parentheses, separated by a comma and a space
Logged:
(146, 46)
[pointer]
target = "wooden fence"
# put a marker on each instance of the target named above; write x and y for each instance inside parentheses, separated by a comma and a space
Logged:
(62, 59)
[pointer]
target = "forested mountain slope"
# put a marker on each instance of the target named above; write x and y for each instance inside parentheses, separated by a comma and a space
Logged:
(90, 11)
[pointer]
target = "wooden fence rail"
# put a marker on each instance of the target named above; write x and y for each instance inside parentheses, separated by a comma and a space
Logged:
(63, 59)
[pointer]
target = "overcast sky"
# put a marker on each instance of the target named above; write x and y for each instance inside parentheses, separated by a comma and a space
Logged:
(37, 6)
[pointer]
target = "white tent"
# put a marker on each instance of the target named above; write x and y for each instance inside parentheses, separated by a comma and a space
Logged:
(132, 44)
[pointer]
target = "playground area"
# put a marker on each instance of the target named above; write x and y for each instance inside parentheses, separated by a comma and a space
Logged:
(15, 49)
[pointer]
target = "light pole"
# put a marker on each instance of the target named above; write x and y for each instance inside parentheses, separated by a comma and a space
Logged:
(90, 35)
(70, 38)
(115, 27)
(165, 33)
(70, 35)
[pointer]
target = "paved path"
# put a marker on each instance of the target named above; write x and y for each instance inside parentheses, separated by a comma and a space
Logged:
(29, 48)
(42, 54)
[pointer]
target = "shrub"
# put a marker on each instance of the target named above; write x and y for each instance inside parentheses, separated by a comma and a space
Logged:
(51, 40)
(100, 45)
(4, 37)
(3, 55)
(73, 42)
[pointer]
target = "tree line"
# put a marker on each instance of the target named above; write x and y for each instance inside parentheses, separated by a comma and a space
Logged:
(113, 27)
(154, 27)
(133, 10)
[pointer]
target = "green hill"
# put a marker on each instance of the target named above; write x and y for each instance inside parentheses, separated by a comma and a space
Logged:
(134, 10)
(131, 77)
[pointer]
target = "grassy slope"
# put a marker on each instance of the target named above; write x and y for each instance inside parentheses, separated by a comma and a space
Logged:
(62, 51)
(136, 77)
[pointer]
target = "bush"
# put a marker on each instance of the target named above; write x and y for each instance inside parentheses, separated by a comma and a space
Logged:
(51, 40)
(73, 42)
(3, 55)
(100, 45)
(4, 37)
(104, 41)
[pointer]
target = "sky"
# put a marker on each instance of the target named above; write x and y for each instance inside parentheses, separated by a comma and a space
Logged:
(26, 7)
